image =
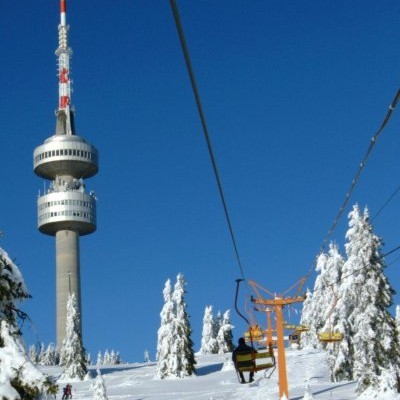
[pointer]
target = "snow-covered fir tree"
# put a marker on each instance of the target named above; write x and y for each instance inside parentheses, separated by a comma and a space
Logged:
(365, 296)
(307, 338)
(113, 357)
(338, 355)
(146, 356)
(217, 325)
(50, 356)
(99, 358)
(166, 334)
(208, 338)
(360, 299)
(398, 317)
(118, 359)
(33, 354)
(19, 378)
(99, 388)
(42, 353)
(175, 355)
(88, 359)
(225, 336)
(72, 354)
(106, 358)
(319, 306)
(184, 363)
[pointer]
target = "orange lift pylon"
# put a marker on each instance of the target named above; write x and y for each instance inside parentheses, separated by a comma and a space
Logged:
(277, 303)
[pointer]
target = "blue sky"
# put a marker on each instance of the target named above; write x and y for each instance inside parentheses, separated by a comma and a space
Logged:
(293, 93)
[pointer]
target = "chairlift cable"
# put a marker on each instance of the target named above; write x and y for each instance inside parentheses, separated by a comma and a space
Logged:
(196, 94)
(360, 169)
(342, 278)
(213, 160)
(392, 262)
(386, 203)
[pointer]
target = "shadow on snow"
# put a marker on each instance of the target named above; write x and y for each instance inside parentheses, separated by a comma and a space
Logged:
(209, 369)
(330, 389)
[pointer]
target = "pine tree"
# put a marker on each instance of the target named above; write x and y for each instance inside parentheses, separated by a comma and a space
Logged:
(397, 319)
(33, 355)
(117, 358)
(99, 359)
(72, 354)
(338, 355)
(50, 355)
(146, 356)
(19, 378)
(318, 307)
(370, 349)
(320, 301)
(216, 327)
(175, 356)
(106, 358)
(113, 357)
(225, 337)
(184, 363)
(166, 334)
(42, 353)
(208, 338)
(99, 388)
(308, 338)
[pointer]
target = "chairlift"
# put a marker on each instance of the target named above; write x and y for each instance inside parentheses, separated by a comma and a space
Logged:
(330, 337)
(254, 334)
(255, 361)
(297, 328)
(261, 359)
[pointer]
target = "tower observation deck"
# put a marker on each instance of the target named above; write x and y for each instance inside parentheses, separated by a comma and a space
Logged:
(66, 210)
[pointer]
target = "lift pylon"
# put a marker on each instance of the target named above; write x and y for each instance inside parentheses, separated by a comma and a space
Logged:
(277, 303)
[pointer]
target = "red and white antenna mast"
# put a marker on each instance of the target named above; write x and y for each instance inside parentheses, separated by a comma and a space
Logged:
(64, 54)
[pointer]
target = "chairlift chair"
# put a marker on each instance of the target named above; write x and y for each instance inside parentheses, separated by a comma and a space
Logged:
(330, 337)
(255, 361)
(261, 359)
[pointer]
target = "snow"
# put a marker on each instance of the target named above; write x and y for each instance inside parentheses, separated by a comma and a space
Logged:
(307, 370)
(14, 363)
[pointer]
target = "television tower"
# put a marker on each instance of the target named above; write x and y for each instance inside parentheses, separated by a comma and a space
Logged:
(65, 210)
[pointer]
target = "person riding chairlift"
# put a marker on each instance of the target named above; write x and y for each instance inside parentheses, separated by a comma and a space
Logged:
(243, 348)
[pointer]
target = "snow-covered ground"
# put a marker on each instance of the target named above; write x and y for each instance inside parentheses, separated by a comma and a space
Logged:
(212, 382)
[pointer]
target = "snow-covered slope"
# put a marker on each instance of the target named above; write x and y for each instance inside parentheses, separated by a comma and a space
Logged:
(213, 382)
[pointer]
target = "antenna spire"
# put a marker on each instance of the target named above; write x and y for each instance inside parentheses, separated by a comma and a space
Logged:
(64, 54)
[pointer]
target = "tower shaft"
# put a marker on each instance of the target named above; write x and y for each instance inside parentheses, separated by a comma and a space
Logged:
(67, 277)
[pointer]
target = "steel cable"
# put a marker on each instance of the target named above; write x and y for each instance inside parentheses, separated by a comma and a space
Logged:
(360, 169)
(196, 94)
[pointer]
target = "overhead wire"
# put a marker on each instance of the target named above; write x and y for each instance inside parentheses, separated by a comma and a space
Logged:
(349, 193)
(354, 182)
(360, 169)
(196, 94)
(391, 197)
(393, 261)
(342, 278)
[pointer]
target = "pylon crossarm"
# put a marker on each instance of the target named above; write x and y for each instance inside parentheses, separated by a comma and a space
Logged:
(278, 301)
(299, 284)
(257, 286)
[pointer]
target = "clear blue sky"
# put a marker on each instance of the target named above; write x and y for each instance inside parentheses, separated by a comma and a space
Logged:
(292, 91)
